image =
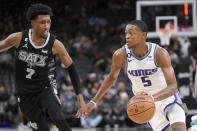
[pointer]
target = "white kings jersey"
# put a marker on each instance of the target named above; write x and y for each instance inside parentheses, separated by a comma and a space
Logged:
(144, 73)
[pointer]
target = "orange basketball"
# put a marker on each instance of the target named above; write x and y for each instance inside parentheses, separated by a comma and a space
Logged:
(140, 108)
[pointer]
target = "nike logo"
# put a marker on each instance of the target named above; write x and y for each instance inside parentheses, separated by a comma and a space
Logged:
(44, 51)
(130, 60)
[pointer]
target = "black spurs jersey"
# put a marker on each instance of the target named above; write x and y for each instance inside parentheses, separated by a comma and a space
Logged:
(35, 65)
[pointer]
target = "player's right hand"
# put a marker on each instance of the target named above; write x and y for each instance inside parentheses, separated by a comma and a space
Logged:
(85, 110)
(144, 93)
(141, 93)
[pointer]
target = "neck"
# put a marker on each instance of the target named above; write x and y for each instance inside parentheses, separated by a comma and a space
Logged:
(141, 50)
(37, 40)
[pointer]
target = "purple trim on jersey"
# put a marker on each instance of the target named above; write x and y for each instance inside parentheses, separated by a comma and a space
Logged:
(126, 61)
(165, 127)
(150, 126)
(171, 103)
(144, 56)
(179, 98)
(130, 82)
(162, 129)
(155, 56)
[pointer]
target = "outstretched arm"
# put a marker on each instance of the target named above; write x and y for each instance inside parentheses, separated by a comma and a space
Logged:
(108, 82)
(59, 49)
(164, 61)
(12, 40)
(111, 77)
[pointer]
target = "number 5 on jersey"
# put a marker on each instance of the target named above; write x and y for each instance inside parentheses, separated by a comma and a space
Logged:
(30, 73)
(146, 81)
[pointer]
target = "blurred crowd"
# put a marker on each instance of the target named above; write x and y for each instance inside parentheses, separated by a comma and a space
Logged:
(91, 31)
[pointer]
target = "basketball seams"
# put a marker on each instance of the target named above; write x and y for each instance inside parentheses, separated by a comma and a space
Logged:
(152, 107)
(139, 102)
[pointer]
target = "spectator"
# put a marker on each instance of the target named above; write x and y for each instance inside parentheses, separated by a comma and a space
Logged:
(4, 97)
(12, 111)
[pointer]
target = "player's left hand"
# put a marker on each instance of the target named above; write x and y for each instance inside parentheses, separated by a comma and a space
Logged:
(80, 101)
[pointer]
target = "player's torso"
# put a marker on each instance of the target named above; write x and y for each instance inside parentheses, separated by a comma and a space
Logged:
(143, 73)
(33, 63)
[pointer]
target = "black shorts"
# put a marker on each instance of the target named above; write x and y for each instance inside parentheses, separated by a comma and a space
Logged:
(43, 108)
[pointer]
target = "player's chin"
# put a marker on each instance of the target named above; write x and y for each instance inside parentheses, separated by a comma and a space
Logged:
(130, 45)
(44, 36)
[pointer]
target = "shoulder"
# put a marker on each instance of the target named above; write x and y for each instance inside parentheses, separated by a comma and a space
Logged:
(15, 38)
(57, 47)
(16, 35)
(119, 56)
(119, 53)
(162, 57)
(57, 42)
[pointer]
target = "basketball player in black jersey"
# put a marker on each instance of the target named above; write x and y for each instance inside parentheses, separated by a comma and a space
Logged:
(35, 70)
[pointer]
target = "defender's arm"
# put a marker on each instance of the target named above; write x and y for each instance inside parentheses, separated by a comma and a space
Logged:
(12, 40)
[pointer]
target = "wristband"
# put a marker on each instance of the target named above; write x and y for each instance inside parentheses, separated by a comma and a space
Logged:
(152, 98)
(93, 102)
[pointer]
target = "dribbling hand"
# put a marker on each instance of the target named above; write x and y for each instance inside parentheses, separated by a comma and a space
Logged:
(144, 93)
(141, 93)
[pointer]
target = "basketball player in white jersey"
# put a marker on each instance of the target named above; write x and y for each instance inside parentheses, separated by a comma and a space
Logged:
(149, 69)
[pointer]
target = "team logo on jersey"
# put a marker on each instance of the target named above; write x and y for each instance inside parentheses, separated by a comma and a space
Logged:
(32, 59)
(25, 46)
(142, 72)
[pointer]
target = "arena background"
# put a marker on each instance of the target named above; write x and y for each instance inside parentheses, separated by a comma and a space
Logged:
(91, 31)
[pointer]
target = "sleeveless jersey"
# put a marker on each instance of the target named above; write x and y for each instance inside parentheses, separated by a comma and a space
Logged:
(144, 73)
(35, 65)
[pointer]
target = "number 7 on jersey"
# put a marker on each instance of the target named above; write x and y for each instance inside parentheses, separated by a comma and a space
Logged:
(30, 73)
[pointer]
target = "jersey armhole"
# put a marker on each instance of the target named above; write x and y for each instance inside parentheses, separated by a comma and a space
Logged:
(24, 35)
(126, 64)
(155, 59)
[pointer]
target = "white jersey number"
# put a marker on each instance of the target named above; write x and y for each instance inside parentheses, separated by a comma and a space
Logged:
(30, 73)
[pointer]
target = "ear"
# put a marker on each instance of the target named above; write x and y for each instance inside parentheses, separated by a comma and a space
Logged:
(32, 22)
(144, 35)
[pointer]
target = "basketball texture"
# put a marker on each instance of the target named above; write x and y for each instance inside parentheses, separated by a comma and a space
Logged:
(140, 108)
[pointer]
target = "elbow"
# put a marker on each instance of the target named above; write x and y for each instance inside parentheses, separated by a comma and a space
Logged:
(111, 78)
(174, 88)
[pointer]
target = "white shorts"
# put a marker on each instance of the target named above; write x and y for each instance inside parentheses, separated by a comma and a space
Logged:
(159, 121)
